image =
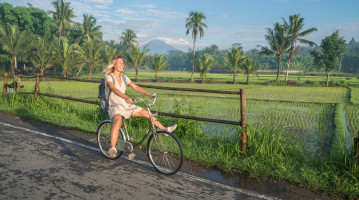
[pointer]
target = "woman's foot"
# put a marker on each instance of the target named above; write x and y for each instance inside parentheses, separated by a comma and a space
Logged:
(112, 152)
(171, 128)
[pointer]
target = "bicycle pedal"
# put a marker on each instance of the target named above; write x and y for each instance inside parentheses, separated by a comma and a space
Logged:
(131, 156)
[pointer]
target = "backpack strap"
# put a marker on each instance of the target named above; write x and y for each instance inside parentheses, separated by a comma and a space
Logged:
(124, 79)
(114, 82)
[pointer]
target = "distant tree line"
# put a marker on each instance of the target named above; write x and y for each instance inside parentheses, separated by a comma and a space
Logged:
(37, 41)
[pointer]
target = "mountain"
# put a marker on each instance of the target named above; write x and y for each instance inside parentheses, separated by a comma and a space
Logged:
(159, 47)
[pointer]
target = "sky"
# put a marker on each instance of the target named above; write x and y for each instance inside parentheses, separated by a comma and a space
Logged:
(228, 21)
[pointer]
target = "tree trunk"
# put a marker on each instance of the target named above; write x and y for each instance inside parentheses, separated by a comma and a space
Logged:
(156, 77)
(12, 69)
(327, 79)
(54, 70)
(340, 64)
(202, 79)
(90, 70)
(15, 66)
(247, 79)
(42, 69)
(79, 70)
(194, 55)
(279, 60)
(291, 57)
(286, 73)
(234, 77)
(136, 74)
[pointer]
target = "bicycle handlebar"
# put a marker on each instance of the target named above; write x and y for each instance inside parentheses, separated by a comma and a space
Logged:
(148, 105)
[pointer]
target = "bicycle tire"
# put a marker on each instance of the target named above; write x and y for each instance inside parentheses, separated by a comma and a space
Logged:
(165, 152)
(104, 138)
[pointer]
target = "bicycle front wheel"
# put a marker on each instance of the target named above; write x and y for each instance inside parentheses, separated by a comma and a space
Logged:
(165, 152)
(104, 138)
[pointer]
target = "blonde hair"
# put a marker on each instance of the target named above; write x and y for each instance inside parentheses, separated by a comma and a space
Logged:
(111, 66)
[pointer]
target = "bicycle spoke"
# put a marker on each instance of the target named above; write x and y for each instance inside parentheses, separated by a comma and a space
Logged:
(165, 153)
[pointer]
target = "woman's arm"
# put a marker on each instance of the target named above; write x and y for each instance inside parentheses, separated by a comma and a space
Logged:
(139, 89)
(118, 92)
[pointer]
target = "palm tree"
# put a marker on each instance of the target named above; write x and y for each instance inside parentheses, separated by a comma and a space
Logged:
(42, 56)
(88, 28)
(249, 67)
(67, 55)
(194, 23)
(158, 64)
(295, 32)
(137, 58)
(128, 39)
(14, 43)
(62, 15)
(233, 59)
(205, 63)
(91, 52)
(108, 54)
(279, 42)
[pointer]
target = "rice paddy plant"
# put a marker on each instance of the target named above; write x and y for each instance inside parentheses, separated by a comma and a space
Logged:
(355, 95)
(352, 118)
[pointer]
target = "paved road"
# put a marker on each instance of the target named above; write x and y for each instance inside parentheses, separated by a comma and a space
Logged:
(42, 162)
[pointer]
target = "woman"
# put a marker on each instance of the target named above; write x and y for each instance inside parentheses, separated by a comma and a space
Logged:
(120, 105)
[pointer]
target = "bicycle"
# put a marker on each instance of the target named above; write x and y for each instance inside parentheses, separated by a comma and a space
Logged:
(164, 150)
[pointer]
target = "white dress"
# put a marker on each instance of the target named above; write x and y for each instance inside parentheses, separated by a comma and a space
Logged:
(117, 104)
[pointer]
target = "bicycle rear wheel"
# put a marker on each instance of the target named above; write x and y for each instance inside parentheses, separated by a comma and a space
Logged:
(104, 138)
(165, 152)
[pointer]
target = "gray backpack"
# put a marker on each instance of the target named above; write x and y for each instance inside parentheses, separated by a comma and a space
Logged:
(104, 93)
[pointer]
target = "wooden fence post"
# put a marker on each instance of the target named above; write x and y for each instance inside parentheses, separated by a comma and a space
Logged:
(356, 148)
(243, 120)
(37, 84)
(18, 84)
(4, 90)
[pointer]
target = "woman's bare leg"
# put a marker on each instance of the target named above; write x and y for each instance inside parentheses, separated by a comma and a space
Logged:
(144, 113)
(117, 120)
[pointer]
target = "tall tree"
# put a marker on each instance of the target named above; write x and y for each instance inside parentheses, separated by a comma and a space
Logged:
(89, 29)
(128, 39)
(205, 63)
(233, 59)
(328, 54)
(62, 16)
(249, 67)
(158, 64)
(68, 56)
(194, 23)
(137, 58)
(41, 57)
(296, 33)
(91, 52)
(14, 43)
(279, 42)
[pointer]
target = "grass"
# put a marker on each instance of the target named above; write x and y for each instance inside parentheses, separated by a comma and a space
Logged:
(272, 154)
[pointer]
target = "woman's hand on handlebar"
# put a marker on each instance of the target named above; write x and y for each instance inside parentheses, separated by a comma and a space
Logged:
(129, 100)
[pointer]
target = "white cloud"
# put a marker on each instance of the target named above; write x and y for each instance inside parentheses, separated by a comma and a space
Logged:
(125, 12)
(163, 14)
(144, 6)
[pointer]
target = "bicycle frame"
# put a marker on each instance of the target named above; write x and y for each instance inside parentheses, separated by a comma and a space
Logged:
(152, 127)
